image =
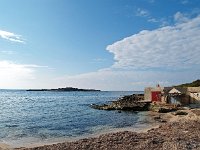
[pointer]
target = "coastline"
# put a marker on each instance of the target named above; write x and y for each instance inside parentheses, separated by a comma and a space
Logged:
(5, 146)
(31, 143)
(175, 133)
(149, 131)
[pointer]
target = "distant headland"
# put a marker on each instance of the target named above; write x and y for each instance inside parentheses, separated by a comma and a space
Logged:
(67, 89)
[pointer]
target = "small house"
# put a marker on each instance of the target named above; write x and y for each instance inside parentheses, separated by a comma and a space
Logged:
(173, 95)
(194, 94)
(153, 94)
(182, 95)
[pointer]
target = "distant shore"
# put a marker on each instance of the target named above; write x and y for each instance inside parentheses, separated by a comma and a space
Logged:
(179, 130)
(67, 89)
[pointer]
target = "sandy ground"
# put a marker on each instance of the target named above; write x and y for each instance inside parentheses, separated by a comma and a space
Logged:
(173, 132)
(4, 147)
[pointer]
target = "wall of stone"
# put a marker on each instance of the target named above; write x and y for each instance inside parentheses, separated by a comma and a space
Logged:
(194, 94)
(147, 93)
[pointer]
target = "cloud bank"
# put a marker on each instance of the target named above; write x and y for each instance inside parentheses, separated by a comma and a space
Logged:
(11, 36)
(109, 79)
(171, 47)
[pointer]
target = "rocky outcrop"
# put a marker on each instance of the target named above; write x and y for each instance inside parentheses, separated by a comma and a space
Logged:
(132, 102)
(136, 102)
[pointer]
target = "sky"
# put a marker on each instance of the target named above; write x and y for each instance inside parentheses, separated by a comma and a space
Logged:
(98, 44)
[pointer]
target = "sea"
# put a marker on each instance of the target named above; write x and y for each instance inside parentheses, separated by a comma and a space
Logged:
(31, 117)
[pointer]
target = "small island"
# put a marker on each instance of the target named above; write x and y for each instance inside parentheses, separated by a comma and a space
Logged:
(67, 89)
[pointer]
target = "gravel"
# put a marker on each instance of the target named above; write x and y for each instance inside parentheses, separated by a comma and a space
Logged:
(183, 134)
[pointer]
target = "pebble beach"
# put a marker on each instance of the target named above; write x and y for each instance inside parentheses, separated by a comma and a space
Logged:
(174, 132)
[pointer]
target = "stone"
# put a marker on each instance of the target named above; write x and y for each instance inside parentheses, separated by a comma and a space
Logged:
(181, 113)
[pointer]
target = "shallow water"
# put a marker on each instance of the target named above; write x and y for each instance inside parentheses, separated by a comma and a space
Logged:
(41, 116)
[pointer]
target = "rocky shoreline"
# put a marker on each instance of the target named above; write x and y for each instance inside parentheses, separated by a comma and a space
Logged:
(179, 131)
(134, 102)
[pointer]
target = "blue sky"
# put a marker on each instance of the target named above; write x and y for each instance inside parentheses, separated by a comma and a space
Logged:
(102, 44)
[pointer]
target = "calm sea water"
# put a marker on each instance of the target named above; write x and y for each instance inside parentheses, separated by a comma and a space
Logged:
(51, 115)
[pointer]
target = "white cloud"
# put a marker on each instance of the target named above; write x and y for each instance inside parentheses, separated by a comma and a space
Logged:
(169, 47)
(152, 20)
(106, 79)
(142, 12)
(151, 1)
(7, 52)
(14, 75)
(147, 15)
(184, 2)
(11, 36)
(180, 17)
(110, 79)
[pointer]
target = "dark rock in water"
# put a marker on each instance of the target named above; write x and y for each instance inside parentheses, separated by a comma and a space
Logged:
(133, 102)
(101, 107)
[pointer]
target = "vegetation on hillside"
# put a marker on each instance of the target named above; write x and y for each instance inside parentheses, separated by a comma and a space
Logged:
(193, 84)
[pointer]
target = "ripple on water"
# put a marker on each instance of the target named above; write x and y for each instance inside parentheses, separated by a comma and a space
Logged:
(12, 126)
